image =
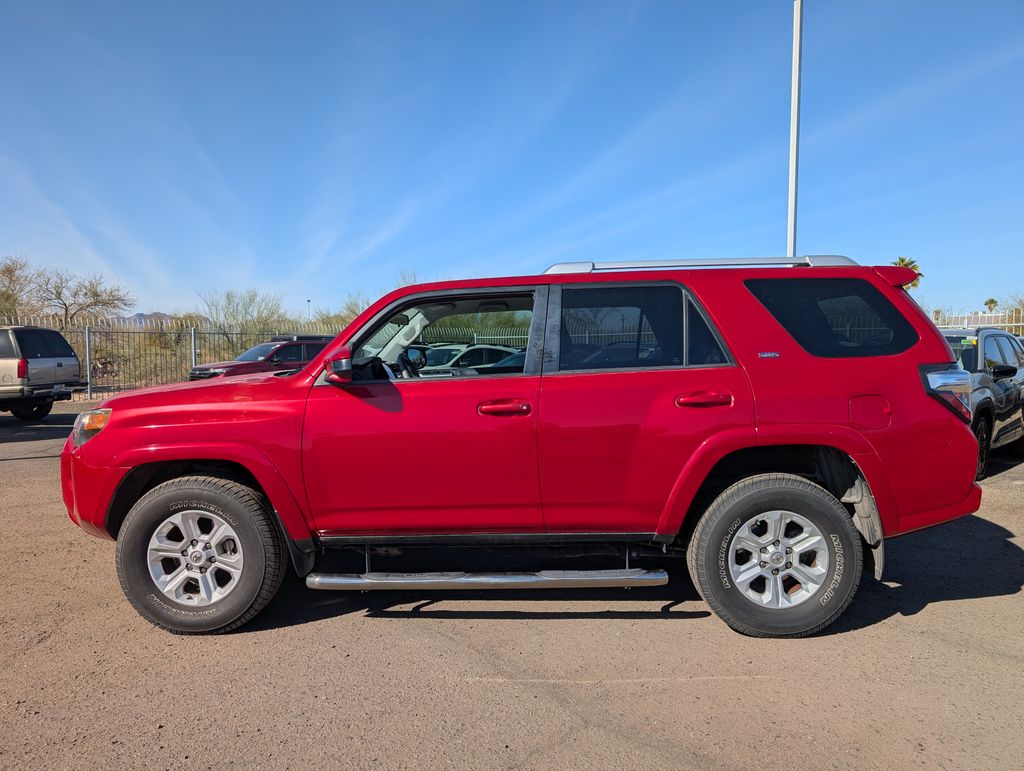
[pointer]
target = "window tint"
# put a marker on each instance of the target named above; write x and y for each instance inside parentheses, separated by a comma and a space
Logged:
(473, 357)
(1009, 355)
(621, 327)
(32, 344)
(1018, 351)
(835, 317)
(993, 356)
(57, 344)
(312, 349)
(288, 353)
(6, 345)
(702, 347)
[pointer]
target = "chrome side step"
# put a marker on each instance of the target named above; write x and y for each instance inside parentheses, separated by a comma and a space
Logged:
(544, 579)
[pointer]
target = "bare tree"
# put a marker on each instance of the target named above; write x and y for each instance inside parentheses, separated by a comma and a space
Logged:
(69, 296)
(354, 304)
(19, 288)
(249, 309)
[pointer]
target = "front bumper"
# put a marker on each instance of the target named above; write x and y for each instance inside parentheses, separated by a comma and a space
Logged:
(87, 490)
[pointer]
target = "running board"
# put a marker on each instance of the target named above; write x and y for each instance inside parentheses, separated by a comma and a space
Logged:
(545, 579)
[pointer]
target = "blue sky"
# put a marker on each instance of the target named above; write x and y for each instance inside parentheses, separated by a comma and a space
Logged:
(313, 148)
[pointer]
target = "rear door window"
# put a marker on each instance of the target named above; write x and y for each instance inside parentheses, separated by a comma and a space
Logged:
(835, 317)
(621, 327)
(312, 349)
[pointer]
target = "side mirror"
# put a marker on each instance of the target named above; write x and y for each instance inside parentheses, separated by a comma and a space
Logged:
(338, 368)
(1003, 371)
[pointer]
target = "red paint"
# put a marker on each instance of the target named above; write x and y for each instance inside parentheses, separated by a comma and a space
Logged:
(611, 451)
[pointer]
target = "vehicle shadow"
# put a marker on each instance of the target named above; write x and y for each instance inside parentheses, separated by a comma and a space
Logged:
(937, 565)
(53, 426)
(967, 559)
(295, 604)
(1001, 461)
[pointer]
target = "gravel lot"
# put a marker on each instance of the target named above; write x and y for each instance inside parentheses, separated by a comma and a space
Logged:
(925, 669)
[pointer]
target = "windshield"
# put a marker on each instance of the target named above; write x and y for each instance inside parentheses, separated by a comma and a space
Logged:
(257, 352)
(965, 349)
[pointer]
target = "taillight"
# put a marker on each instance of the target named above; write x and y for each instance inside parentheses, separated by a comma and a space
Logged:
(22, 369)
(951, 386)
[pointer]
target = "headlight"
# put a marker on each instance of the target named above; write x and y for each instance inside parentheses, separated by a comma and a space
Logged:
(217, 371)
(88, 424)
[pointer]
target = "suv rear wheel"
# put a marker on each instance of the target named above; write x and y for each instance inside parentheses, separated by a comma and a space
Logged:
(200, 555)
(776, 556)
(983, 433)
(35, 412)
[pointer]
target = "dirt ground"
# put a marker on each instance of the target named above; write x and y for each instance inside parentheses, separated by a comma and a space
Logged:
(925, 669)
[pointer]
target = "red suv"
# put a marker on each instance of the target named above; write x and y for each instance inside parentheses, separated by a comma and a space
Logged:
(771, 420)
(281, 353)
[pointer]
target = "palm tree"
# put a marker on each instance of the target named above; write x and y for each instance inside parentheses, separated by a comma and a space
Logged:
(910, 262)
(991, 304)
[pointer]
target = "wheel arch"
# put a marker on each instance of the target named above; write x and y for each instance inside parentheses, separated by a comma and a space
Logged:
(145, 476)
(836, 469)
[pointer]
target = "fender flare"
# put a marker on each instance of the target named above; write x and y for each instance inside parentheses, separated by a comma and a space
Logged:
(876, 512)
(292, 518)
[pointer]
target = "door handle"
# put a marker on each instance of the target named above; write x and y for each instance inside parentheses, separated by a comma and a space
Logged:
(704, 399)
(504, 408)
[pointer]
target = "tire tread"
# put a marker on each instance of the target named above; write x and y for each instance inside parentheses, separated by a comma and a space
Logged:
(253, 505)
(696, 562)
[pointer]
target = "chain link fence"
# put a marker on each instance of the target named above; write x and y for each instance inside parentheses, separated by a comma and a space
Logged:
(121, 354)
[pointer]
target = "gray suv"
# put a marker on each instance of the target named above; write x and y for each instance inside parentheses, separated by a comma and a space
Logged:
(995, 360)
(37, 368)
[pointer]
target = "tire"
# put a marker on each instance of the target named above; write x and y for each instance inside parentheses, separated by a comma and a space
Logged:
(983, 433)
(249, 556)
(35, 412)
(828, 547)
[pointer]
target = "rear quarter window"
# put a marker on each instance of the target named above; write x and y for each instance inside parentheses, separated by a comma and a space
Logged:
(6, 345)
(835, 318)
(32, 344)
(58, 345)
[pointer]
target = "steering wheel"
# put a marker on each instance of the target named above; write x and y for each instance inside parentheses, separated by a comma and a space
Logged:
(405, 366)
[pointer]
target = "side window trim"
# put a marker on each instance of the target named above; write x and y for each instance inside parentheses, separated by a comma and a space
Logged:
(534, 342)
(553, 332)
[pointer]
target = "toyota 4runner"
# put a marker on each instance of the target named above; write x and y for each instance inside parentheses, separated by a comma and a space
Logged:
(772, 421)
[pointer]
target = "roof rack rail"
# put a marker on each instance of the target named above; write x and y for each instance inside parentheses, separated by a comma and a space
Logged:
(809, 261)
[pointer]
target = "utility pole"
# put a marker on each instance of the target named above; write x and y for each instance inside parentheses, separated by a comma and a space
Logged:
(794, 126)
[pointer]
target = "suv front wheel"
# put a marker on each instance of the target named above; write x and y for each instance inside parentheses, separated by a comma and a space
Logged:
(776, 556)
(200, 555)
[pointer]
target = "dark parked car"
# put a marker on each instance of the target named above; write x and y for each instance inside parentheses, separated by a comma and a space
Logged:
(995, 360)
(280, 353)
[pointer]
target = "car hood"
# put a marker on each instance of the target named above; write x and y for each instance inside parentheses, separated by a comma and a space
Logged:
(235, 388)
(220, 364)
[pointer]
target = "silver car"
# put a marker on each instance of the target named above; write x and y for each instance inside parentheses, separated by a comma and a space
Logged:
(37, 368)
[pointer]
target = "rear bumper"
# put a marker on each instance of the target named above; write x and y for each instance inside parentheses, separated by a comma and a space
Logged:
(922, 519)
